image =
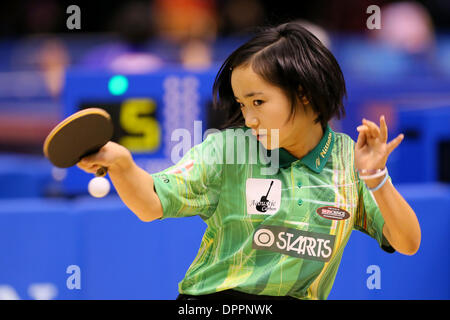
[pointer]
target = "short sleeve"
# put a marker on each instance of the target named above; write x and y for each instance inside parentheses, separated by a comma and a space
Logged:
(192, 186)
(369, 218)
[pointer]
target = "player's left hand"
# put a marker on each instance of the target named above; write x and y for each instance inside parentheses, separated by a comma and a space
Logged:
(372, 149)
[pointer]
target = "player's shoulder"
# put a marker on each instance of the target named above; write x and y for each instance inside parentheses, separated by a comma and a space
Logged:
(344, 149)
(343, 144)
(343, 139)
(234, 145)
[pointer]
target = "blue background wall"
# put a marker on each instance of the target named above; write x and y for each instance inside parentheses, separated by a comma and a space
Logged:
(121, 257)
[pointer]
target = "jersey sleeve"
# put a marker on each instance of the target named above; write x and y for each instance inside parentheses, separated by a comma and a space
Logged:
(192, 186)
(369, 218)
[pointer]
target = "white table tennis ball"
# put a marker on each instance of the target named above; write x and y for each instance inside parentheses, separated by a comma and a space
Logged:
(99, 187)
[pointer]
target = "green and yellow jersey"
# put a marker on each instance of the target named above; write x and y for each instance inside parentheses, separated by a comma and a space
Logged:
(280, 233)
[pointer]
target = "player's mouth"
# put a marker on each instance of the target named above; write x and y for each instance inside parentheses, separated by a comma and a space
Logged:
(260, 136)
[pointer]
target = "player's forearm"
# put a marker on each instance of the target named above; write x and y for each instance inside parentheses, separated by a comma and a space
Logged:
(136, 189)
(400, 220)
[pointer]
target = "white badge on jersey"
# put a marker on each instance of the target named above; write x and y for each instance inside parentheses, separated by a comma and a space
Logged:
(263, 196)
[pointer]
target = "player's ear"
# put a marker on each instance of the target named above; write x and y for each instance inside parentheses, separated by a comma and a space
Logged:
(302, 96)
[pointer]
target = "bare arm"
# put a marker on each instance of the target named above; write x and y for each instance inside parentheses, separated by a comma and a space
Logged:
(134, 185)
(401, 227)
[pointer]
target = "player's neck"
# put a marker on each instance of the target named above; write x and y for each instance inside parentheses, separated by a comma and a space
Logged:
(304, 142)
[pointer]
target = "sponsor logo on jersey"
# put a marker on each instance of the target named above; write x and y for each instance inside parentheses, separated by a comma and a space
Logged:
(162, 176)
(324, 151)
(182, 168)
(296, 243)
(263, 196)
(333, 213)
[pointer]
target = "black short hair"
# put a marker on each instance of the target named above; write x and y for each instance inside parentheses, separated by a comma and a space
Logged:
(289, 57)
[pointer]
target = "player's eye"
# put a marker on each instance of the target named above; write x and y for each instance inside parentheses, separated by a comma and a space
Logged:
(241, 105)
(257, 103)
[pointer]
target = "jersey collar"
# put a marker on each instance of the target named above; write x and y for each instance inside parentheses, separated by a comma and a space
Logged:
(317, 157)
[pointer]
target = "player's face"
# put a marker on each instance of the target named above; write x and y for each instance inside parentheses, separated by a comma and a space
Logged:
(266, 107)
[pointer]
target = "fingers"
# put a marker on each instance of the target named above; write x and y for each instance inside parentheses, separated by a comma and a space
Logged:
(383, 129)
(96, 158)
(362, 138)
(376, 137)
(109, 156)
(395, 143)
(93, 162)
(374, 130)
(367, 130)
(88, 167)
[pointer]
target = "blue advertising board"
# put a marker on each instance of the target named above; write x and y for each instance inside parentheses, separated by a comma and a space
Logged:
(98, 249)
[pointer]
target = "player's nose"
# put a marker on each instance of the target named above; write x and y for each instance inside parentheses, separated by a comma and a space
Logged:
(251, 122)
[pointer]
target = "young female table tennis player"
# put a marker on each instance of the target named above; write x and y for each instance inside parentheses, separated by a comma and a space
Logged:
(279, 235)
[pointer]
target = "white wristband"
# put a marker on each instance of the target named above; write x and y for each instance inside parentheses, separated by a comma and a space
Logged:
(380, 185)
(376, 175)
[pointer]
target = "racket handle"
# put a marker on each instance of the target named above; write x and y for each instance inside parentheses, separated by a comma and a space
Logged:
(101, 172)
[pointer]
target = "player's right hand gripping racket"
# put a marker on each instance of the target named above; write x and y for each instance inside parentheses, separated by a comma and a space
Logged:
(78, 136)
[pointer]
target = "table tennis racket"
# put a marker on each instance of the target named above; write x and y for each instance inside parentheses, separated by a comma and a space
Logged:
(79, 135)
